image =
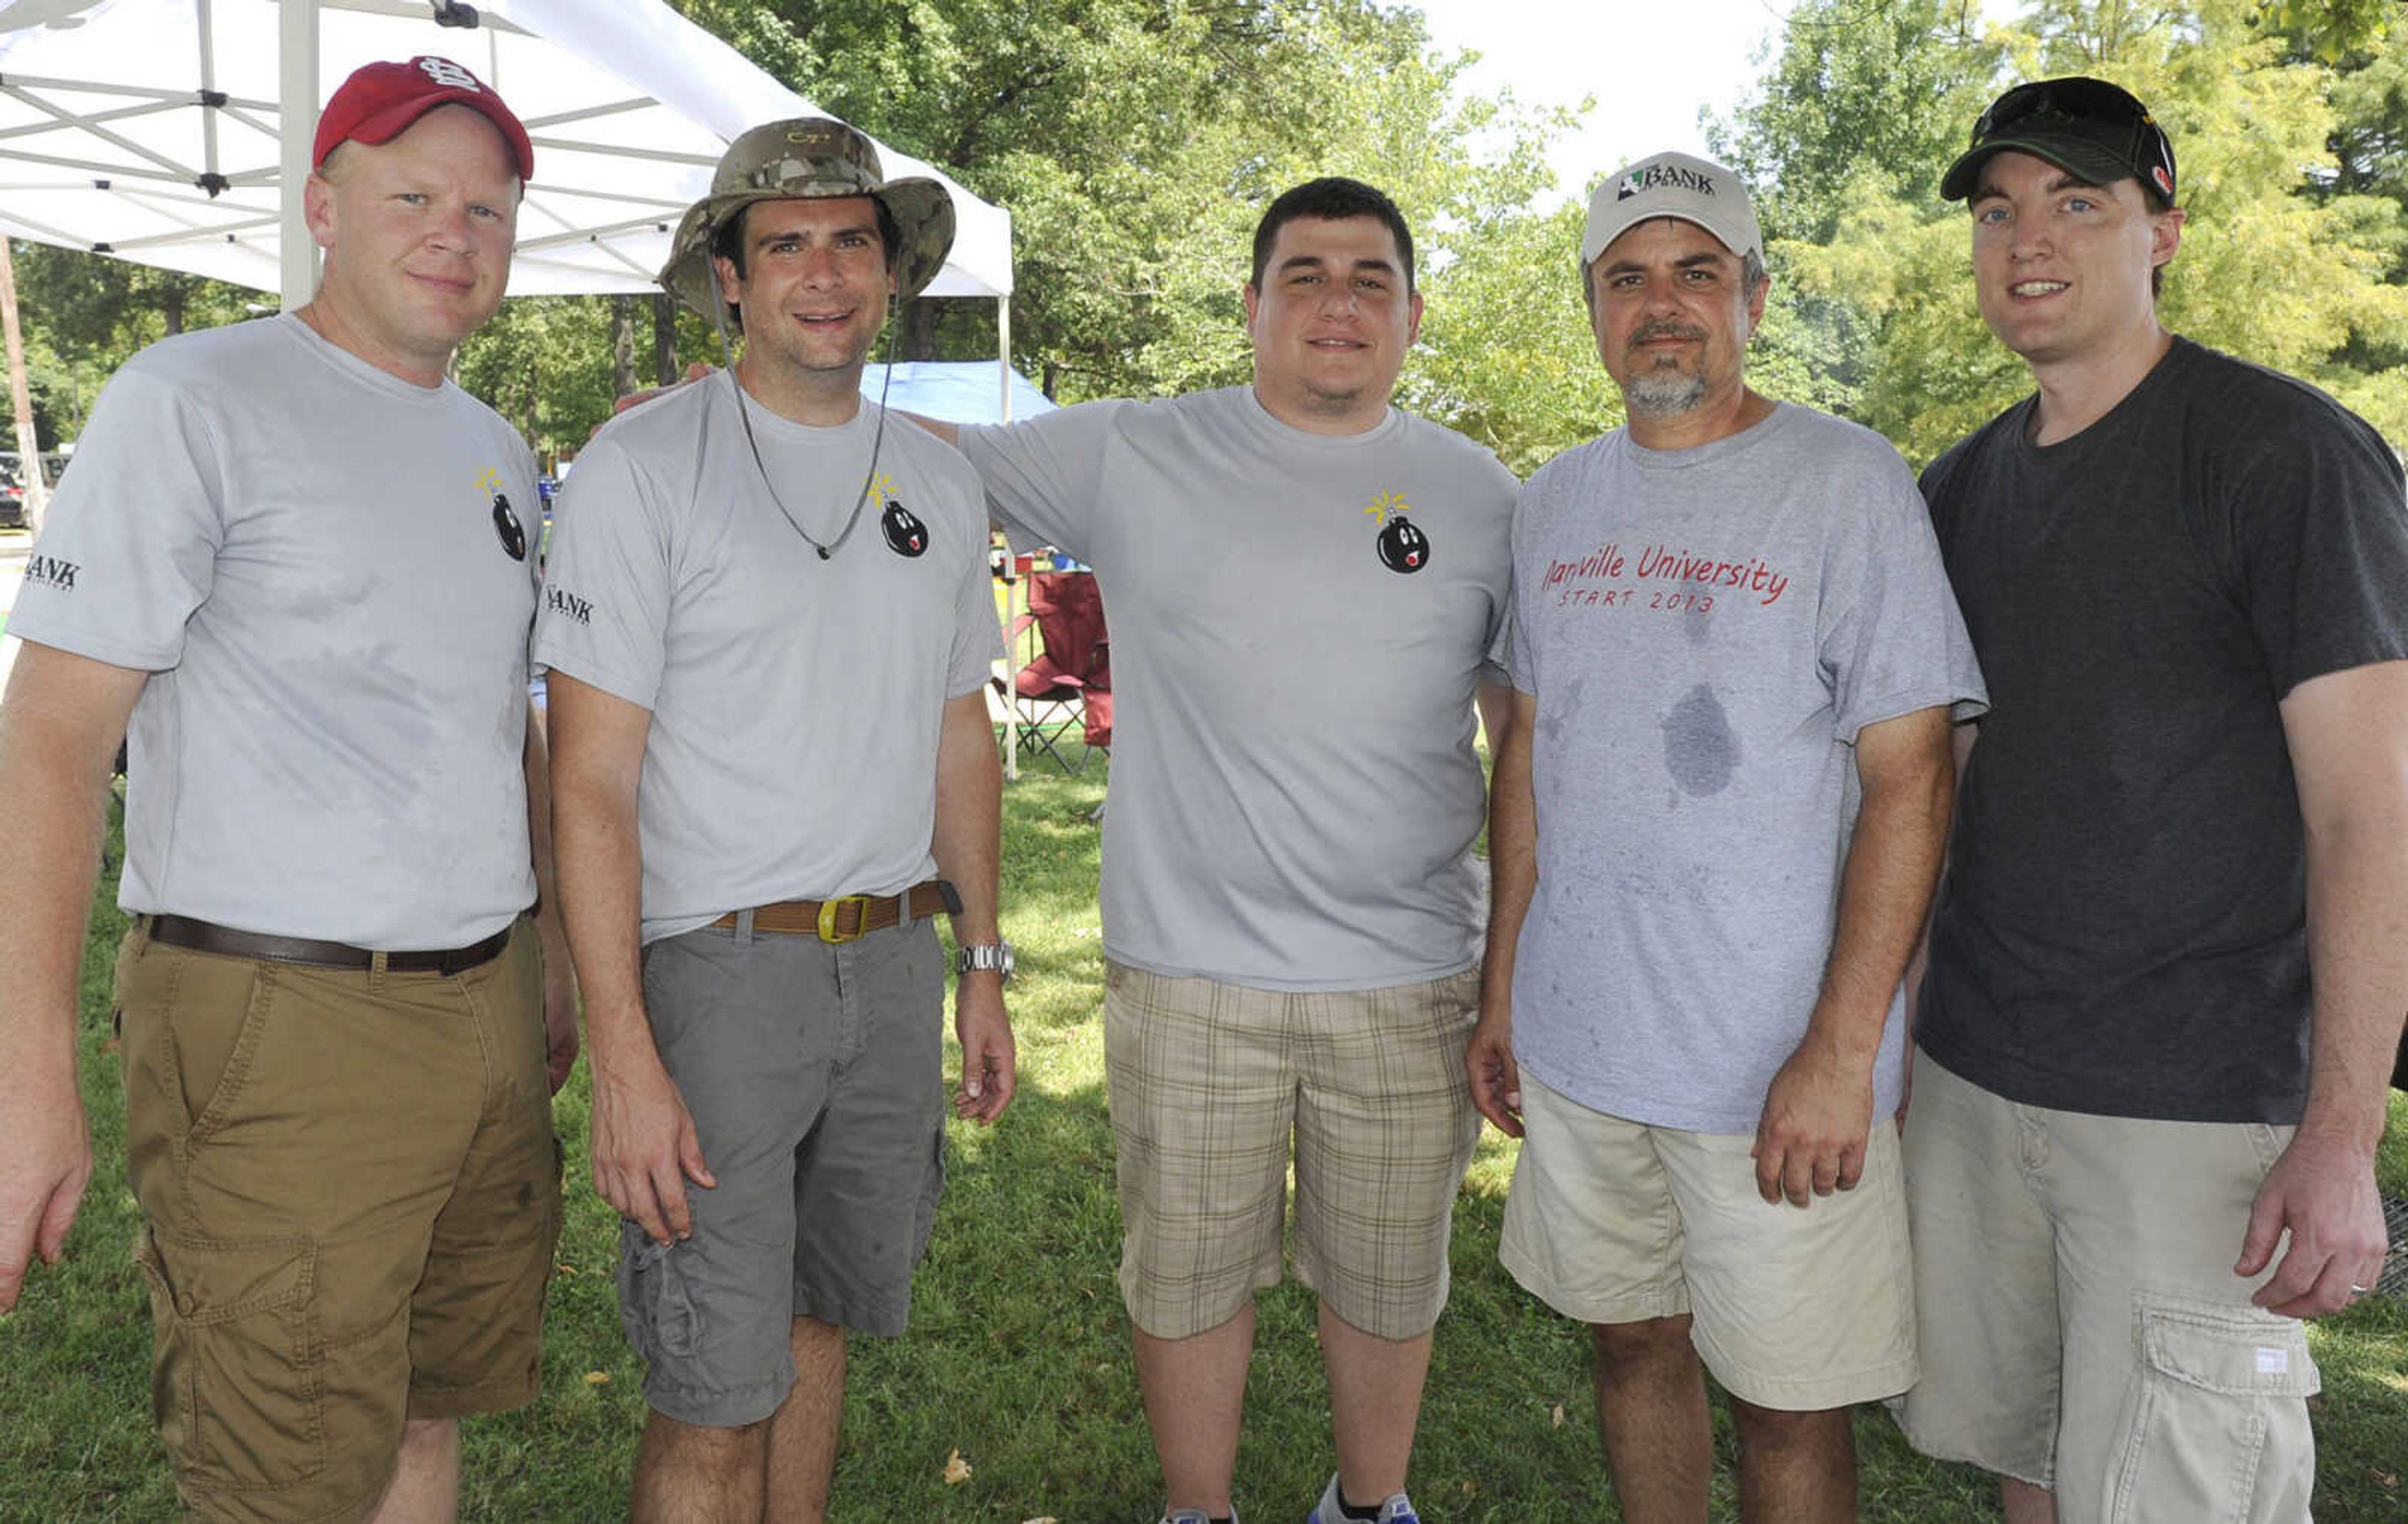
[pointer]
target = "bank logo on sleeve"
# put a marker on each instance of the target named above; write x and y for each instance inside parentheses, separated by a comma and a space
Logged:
(52, 573)
(1402, 546)
(506, 524)
(906, 536)
(568, 605)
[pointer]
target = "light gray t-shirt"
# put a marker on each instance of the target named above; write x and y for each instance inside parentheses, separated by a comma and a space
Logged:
(794, 702)
(327, 572)
(1297, 621)
(1705, 631)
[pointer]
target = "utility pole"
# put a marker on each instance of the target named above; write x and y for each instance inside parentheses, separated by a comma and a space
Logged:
(21, 397)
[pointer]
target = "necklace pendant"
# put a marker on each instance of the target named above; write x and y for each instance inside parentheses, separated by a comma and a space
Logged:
(823, 550)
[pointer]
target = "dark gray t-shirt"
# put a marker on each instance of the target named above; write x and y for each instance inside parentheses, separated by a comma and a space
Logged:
(2123, 928)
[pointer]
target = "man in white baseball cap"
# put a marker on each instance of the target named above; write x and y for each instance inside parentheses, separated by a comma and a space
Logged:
(1706, 890)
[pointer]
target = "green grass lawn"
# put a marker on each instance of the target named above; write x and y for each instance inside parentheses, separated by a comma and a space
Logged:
(1017, 1357)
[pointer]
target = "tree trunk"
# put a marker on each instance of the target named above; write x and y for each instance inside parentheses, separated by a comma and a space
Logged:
(171, 306)
(21, 397)
(664, 339)
(623, 344)
(916, 336)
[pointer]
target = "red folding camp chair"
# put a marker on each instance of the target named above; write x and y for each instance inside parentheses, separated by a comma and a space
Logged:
(1068, 683)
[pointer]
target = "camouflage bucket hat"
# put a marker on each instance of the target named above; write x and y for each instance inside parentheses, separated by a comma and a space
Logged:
(809, 156)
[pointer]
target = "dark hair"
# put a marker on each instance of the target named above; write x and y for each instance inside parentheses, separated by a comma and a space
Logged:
(728, 240)
(1333, 198)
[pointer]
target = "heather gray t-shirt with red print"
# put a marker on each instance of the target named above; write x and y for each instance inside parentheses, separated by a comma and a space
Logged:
(1705, 632)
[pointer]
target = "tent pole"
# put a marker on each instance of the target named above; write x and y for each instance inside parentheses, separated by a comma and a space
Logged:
(20, 398)
(297, 90)
(1010, 578)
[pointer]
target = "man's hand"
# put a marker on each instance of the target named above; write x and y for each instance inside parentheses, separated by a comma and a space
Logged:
(645, 1149)
(989, 1072)
(2322, 1191)
(43, 1171)
(1495, 1079)
(1811, 1139)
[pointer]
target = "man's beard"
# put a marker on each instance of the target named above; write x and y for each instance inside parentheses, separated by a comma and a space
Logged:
(1655, 392)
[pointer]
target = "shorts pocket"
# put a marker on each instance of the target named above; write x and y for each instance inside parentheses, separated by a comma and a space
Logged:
(2217, 1427)
(932, 1191)
(238, 1369)
(656, 1305)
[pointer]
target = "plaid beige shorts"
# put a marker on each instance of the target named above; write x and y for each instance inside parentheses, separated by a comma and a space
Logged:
(1211, 1083)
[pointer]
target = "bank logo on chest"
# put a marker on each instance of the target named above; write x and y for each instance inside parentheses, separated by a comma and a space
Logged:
(1402, 547)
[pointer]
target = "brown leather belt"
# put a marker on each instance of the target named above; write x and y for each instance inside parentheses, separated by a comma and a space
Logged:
(208, 936)
(853, 916)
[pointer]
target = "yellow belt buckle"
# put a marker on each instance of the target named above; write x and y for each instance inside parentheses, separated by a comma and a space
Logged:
(829, 931)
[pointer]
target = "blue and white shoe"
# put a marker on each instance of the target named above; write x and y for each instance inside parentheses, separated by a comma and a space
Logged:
(1398, 1509)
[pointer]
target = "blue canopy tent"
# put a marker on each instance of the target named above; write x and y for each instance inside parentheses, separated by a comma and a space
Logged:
(957, 391)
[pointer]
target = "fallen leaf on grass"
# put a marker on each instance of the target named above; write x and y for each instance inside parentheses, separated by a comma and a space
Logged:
(1048, 1518)
(1470, 1488)
(564, 1269)
(957, 1470)
(598, 1379)
(1559, 1415)
(2387, 1478)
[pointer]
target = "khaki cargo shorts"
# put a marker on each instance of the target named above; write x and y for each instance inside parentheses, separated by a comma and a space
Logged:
(1213, 1084)
(350, 1195)
(2082, 1327)
(1798, 1310)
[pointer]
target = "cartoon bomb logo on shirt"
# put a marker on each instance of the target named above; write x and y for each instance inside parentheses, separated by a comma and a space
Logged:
(506, 524)
(906, 536)
(1403, 548)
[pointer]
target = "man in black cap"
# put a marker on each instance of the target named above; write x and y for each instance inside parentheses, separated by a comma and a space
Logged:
(2169, 957)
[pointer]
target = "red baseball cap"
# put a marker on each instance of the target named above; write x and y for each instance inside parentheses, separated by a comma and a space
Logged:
(379, 101)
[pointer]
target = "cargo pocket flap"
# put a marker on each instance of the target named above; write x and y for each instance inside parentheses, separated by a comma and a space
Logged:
(2222, 1353)
(211, 1281)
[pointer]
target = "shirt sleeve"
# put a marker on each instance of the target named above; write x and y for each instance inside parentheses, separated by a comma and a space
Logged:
(604, 615)
(1891, 638)
(978, 627)
(128, 551)
(1044, 475)
(2324, 524)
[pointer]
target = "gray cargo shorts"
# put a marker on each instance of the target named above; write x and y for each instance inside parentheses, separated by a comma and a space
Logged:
(814, 1076)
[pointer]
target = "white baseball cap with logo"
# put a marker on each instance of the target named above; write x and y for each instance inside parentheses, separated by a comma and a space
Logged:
(1671, 185)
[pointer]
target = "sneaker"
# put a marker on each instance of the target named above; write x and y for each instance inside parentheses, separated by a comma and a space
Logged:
(1195, 1515)
(1398, 1509)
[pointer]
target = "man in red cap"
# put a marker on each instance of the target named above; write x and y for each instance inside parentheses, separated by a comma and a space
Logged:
(290, 573)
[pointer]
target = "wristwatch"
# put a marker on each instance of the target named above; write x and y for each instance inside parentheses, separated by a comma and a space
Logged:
(995, 955)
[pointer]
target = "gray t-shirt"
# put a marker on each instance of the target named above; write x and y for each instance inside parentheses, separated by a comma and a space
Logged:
(1298, 622)
(1705, 632)
(794, 702)
(326, 571)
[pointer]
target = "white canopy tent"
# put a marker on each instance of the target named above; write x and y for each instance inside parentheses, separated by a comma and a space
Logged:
(166, 132)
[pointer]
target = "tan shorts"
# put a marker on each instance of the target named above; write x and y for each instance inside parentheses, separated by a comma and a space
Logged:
(350, 1194)
(1801, 1310)
(2082, 1327)
(1209, 1083)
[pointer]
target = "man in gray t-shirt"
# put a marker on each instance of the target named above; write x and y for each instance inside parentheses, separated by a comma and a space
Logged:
(292, 567)
(1305, 587)
(770, 621)
(1716, 823)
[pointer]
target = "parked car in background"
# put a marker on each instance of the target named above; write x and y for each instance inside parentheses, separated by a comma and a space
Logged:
(12, 483)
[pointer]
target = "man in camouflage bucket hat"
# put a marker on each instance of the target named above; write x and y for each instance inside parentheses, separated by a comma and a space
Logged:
(766, 988)
(810, 157)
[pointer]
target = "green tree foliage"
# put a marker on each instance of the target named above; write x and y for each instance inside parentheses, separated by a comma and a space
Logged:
(2291, 254)
(84, 313)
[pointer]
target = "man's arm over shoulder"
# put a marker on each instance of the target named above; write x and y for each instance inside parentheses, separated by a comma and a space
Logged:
(1044, 475)
(60, 725)
(966, 843)
(2348, 736)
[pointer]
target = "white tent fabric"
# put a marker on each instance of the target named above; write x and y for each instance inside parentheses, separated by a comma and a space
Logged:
(149, 129)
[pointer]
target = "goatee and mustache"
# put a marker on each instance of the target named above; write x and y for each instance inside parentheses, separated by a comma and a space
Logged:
(1661, 391)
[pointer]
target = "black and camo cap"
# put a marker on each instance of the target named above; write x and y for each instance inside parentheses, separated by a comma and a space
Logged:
(799, 159)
